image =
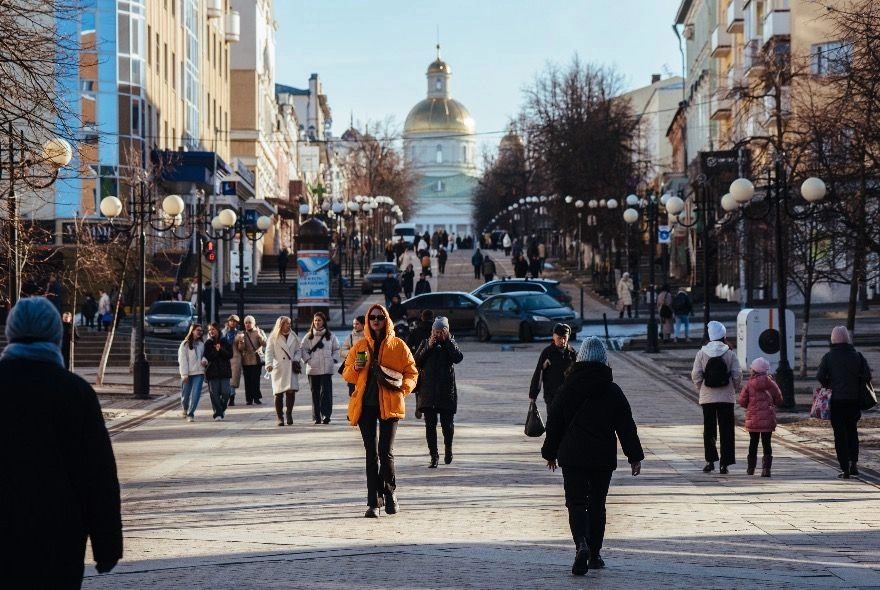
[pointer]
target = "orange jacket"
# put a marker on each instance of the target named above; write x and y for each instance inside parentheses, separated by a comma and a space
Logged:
(394, 354)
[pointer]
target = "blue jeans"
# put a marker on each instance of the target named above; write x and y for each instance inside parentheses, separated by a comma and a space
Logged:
(682, 321)
(190, 393)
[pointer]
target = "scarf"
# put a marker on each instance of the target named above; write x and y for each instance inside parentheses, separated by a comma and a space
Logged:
(47, 352)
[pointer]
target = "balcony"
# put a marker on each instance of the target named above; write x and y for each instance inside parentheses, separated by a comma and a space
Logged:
(736, 77)
(720, 104)
(770, 106)
(754, 60)
(777, 23)
(735, 16)
(720, 43)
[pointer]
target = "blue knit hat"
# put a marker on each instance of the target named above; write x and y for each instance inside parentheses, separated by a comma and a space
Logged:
(34, 319)
(592, 350)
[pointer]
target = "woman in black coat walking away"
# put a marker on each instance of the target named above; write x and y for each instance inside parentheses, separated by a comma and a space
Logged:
(435, 359)
(587, 411)
(844, 370)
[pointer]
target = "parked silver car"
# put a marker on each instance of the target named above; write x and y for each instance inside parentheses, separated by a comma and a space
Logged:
(524, 315)
(170, 319)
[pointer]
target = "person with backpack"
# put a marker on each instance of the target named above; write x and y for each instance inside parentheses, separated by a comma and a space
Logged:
(682, 308)
(760, 396)
(717, 376)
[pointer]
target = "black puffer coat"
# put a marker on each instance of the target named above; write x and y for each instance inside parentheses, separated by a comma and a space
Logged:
(436, 390)
(219, 361)
(841, 371)
(586, 439)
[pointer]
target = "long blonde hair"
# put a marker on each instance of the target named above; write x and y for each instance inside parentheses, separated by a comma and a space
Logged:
(276, 331)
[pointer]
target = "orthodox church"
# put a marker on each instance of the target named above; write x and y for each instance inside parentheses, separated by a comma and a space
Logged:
(439, 141)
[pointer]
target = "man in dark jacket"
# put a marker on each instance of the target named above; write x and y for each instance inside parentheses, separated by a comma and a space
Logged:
(390, 288)
(422, 331)
(588, 411)
(423, 286)
(59, 487)
(435, 359)
(552, 364)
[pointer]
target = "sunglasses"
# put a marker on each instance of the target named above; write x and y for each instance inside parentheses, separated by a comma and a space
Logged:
(377, 318)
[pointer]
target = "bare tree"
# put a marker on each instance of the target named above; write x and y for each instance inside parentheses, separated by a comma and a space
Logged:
(374, 165)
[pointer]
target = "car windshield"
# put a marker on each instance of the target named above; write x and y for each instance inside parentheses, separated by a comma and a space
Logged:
(538, 301)
(383, 268)
(170, 308)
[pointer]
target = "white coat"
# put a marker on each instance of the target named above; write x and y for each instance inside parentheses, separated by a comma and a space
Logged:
(324, 360)
(281, 353)
(191, 361)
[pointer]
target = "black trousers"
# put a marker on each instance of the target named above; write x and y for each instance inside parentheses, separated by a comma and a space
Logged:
(446, 425)
(585, 493)
(845, 416)
(718, 417)
(381, 479)
(476, 272)
(251, 374)
(322, 396)
(765, 438)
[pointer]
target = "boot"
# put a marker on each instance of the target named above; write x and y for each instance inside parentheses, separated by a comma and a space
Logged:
(435, 460)
(278, 407)
(766, 463)
(289, 398)
(752, 462)
(582, 559)
(447, 457)
(853, 468)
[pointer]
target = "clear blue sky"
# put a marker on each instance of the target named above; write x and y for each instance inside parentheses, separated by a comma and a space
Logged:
(372, 55)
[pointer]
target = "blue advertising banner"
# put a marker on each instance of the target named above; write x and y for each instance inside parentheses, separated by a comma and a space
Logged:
(313, 277)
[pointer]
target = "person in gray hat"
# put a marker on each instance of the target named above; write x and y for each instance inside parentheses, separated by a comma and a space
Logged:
(554, 360)
(60, 486)
(589, 414)
(437, 395)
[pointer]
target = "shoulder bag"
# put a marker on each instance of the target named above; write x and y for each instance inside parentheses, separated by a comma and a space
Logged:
(386, 377)
(821, 404)
(867, 395)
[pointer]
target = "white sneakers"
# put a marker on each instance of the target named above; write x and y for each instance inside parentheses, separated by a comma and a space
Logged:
(190, 419)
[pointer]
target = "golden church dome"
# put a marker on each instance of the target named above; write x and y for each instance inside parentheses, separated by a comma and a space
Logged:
(438, 66)
(511, 141)
(439, 115)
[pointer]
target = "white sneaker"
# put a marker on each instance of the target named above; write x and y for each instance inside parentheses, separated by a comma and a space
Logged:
(190, 419)
(216, 418)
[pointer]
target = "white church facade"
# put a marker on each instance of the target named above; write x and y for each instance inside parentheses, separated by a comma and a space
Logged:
(439, 142)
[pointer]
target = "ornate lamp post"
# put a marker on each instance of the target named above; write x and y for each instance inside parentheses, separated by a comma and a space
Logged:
(227, 224)
(631, 215)
(143, 213)
(19, 165)
(812, 190)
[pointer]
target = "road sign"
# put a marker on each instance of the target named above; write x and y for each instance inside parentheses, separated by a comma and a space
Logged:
(663, 233)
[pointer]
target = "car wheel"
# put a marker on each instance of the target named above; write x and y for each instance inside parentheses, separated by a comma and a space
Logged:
(483, 332)
(366, 291)
(525, 333)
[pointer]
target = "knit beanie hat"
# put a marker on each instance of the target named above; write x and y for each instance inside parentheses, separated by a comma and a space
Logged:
(34, 319)
(440, 323)
(716, 330)
(592, 350)
(760, 365)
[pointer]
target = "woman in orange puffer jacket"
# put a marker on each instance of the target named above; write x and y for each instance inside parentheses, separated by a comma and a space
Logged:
(759, 396)
(374, 403)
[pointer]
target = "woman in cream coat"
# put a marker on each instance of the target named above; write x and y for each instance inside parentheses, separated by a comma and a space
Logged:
(283, 358)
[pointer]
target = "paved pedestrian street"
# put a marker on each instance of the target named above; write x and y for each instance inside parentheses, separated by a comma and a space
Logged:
(244, 503)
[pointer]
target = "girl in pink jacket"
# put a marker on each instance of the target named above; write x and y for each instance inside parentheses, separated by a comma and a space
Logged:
(759, 396)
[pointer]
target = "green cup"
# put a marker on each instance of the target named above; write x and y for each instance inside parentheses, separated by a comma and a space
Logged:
(362, 357)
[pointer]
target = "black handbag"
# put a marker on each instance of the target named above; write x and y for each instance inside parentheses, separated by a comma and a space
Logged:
(534, 423)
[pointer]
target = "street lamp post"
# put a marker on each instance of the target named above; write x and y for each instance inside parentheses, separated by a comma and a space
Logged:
(812, 190)
(57, 153)
(141, 212)
(631, 215)
(226, 224)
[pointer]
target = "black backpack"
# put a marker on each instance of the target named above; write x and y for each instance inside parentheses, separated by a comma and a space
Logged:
(680, 303)
(716, 373)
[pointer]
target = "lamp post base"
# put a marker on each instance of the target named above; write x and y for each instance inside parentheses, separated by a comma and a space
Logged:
(141, 375)
(785, 381)
(653, 345)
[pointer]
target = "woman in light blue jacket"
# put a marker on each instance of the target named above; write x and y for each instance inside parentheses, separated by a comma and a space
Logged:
(191, 362)
(320, 353)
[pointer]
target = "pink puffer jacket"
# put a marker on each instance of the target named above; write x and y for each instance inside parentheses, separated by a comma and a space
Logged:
(759, 396)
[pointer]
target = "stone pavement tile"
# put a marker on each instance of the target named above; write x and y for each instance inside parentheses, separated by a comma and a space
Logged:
(246, 504)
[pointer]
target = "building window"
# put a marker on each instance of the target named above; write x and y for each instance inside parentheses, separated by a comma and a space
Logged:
(439, 186)
(830, 59)
(439, 154)
(464, 157)
(438, 84)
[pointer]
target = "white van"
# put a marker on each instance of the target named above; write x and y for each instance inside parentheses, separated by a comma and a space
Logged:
(405, 232)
